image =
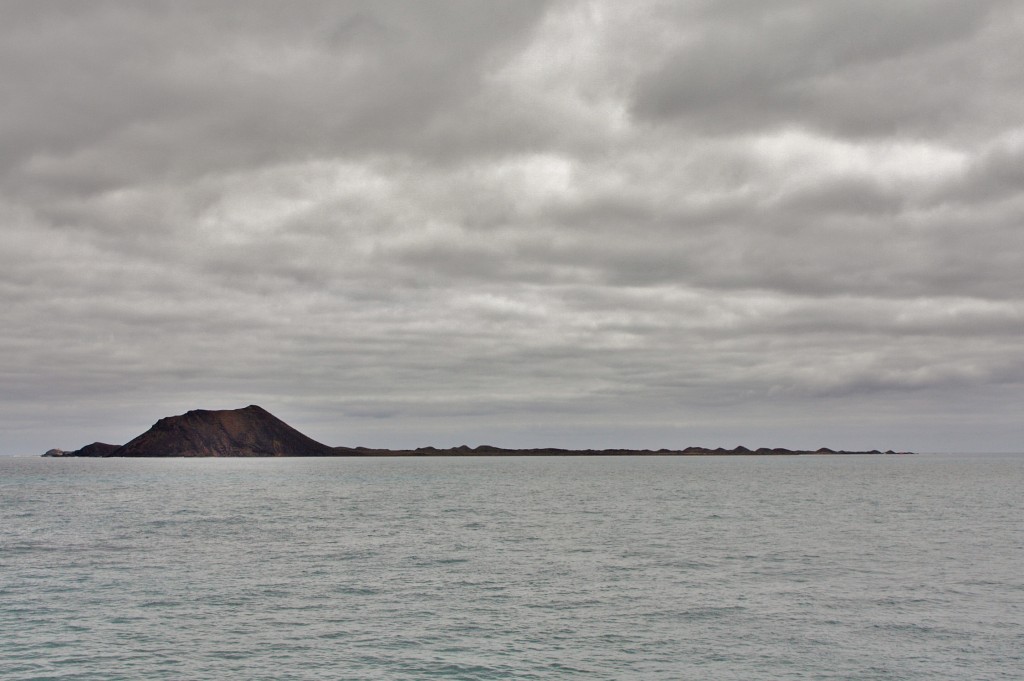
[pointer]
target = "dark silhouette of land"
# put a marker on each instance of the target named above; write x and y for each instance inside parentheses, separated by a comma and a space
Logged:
(255, 432)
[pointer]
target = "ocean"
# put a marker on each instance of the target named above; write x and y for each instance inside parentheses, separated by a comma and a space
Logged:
(806, 567)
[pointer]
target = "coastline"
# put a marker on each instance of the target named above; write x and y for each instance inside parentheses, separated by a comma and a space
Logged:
(254, 432)
(490, 451)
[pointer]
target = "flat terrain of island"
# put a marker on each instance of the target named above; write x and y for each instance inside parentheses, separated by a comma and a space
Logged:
(487, 450)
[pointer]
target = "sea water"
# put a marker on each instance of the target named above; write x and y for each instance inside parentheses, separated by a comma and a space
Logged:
(805, 567)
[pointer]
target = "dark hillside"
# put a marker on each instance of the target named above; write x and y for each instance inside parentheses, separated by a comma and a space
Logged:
(251, 431)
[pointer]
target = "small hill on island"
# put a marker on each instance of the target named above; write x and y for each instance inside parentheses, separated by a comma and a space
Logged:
(252, 431)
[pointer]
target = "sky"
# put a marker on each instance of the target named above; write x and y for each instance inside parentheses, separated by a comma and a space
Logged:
(783, 223)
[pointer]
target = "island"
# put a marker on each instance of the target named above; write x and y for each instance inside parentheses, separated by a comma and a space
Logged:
(254, 432)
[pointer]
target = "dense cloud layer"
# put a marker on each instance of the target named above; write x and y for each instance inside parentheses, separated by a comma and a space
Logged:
(772, 223)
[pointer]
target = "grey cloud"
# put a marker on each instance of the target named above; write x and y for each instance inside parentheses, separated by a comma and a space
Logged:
(873, 68)
(102, 94)
(996, 175)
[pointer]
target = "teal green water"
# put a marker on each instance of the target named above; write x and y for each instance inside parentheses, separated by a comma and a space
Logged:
(520, 568)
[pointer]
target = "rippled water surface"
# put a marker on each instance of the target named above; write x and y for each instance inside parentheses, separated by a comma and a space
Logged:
(513, 568)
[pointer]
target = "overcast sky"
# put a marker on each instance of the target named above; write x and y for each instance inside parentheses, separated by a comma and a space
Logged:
(788, 223)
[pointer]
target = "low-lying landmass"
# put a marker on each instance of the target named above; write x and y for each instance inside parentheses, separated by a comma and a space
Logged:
(255, 432)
